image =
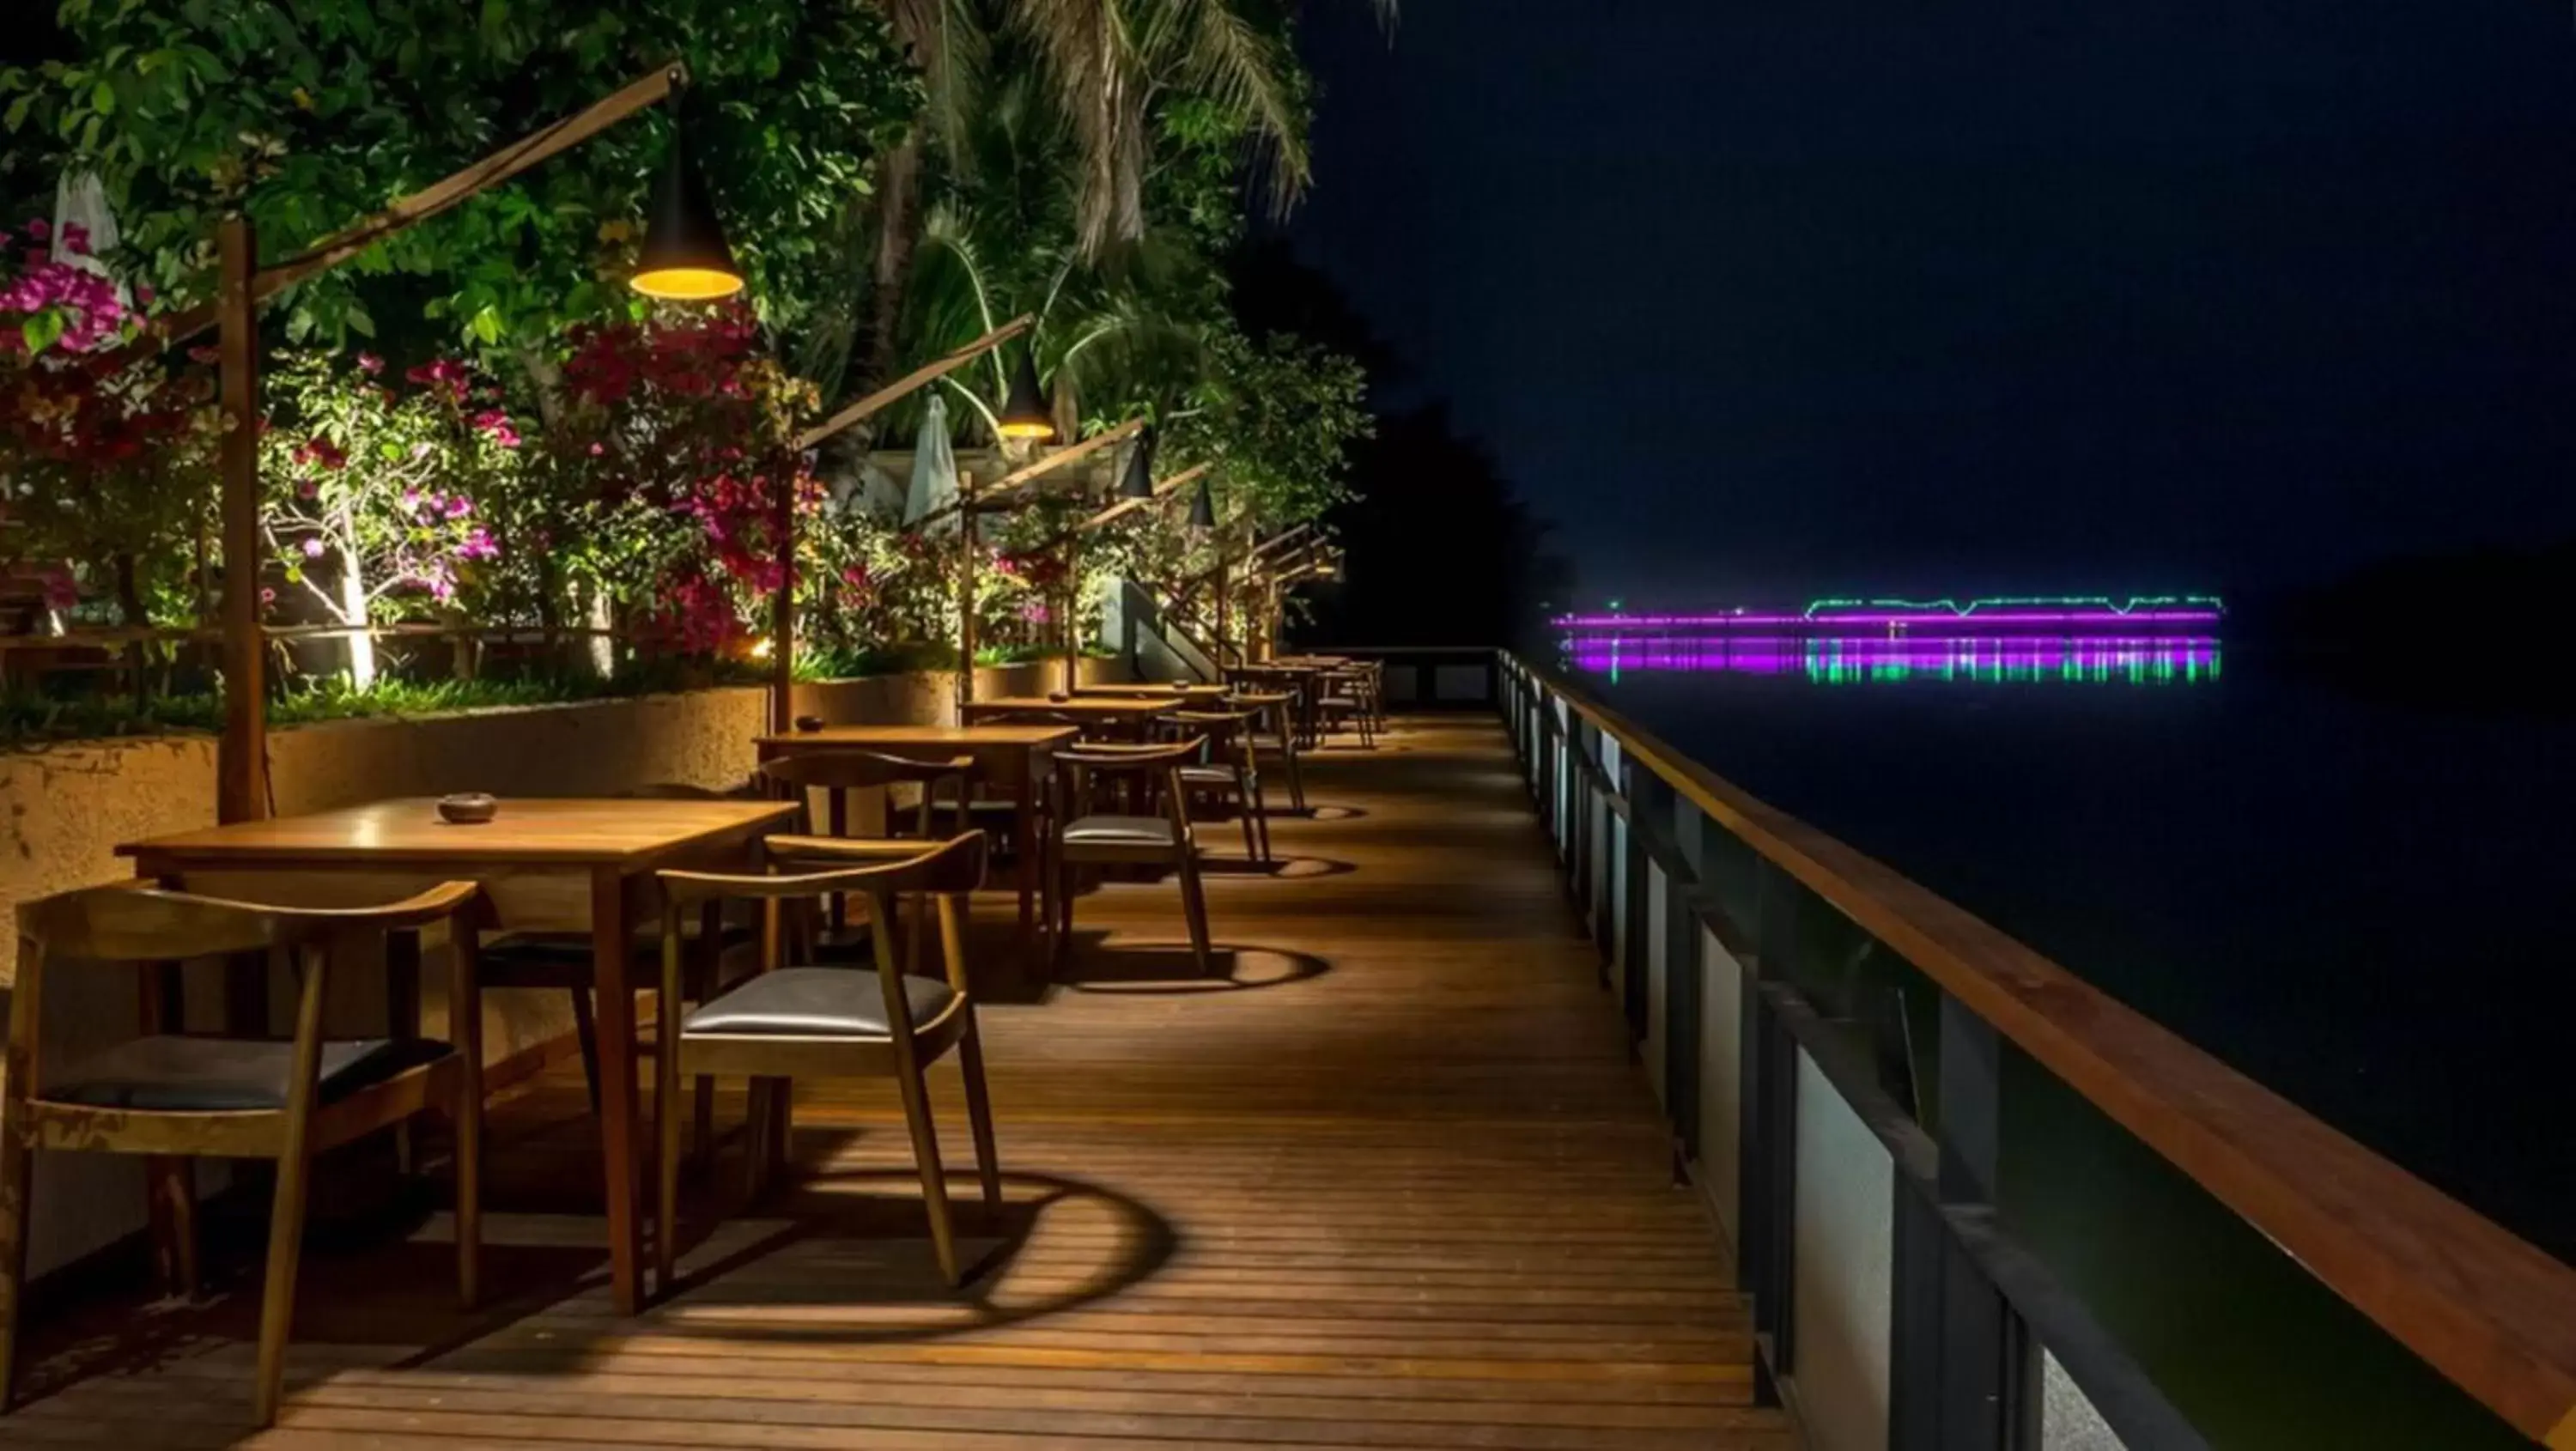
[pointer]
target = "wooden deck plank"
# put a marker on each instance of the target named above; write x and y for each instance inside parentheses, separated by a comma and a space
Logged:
(1395, 1184)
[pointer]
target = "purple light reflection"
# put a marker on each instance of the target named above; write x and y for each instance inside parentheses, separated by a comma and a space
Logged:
(1878, 659)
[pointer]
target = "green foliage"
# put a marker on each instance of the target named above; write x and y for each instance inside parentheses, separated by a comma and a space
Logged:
(309, 114)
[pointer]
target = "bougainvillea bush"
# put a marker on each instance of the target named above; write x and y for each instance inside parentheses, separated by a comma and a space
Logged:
(379, 489)
(672, 453)
(106, 449)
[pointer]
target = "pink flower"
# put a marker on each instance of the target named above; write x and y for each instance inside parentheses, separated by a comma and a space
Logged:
(459, 507)
(478, 545)
(496, 423)
(39, 229)
(76, 239)
(268, 596)
(323, 451)
(597, 449)
(313, 548)
(307, 489)
(368, 363)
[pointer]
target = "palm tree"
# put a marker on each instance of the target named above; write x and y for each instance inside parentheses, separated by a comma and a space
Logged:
(1103, 65)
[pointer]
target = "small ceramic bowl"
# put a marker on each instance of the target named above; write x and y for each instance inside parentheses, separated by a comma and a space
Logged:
(809, 723)
(470, 808)
(1058, 697)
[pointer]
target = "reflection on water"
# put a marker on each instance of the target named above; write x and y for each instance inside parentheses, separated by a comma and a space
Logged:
(1889, 659)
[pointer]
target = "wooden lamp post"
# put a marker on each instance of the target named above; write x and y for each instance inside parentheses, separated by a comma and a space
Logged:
(684, 257)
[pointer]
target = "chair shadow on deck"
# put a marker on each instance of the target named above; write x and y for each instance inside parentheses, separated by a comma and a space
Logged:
(1093, 966)
(839, 1257)
(1278, 869)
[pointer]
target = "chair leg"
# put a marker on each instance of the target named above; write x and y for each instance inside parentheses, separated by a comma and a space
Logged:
(934, 1180)
(1261, 814)
(1251, 831)
(979, 1113)
(755, 1140)
(171, 1181)
(666, 1198)
(17, 1193)
(1296, 783)
(1194, 907)
(277, 1299)
(465, 1028)
(585, 1027)
(782, 1128)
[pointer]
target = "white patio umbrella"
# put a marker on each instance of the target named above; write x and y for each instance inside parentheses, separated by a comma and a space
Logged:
(934, 472)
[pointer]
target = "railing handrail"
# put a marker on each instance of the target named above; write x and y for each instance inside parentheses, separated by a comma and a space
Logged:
(2492, 1312)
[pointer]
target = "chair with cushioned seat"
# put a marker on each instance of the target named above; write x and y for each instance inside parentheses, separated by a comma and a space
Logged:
(808, 1021)
(1152, 828)
(1229, 771)
(182, 1097)
(1274, 734)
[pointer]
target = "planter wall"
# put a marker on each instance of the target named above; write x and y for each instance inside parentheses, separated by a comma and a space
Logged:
(63, 810)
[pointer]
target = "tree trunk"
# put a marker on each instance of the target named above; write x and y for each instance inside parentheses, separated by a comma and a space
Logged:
(353, 608)
(898, 204)
(130, 613)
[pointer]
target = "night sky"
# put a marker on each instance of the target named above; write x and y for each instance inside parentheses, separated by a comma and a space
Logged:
(1759, 298)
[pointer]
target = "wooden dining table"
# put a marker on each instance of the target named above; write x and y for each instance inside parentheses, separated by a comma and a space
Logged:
(1151, 690)
(534, 859)
(1107, 711)
(1013, 758)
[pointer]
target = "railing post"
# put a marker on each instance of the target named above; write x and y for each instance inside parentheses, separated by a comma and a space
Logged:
(1962, 1367)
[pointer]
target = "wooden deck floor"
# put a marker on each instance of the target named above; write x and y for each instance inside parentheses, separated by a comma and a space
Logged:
(1393, 1184)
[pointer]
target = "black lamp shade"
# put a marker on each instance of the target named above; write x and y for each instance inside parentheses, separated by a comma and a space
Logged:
(685, 257)
(1026, 414)
(1139, 483)
(1202, 511)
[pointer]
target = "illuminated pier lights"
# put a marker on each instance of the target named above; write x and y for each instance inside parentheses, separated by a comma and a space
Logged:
(1997, 612)
(1881, 659)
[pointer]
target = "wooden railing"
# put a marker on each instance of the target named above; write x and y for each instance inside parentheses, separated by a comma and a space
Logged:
(1695, 888)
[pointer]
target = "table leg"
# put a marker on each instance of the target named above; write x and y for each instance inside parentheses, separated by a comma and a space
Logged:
(612, 948)
(1024, 849)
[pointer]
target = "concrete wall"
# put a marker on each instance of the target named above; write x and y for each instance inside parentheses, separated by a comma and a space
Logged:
(64, 809)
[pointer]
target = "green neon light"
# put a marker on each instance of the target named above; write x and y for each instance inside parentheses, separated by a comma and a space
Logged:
(2131, 605)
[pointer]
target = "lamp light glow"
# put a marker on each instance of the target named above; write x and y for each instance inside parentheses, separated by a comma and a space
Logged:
(1025, 414)
(685, 256)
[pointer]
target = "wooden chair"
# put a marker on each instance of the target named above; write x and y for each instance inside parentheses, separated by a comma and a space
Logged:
(838, 773)
(1344, 703)
(180, 1097)
(1274, 734)
(1229, 771)
(797, 1022)
(561, 961)
(1131, 836)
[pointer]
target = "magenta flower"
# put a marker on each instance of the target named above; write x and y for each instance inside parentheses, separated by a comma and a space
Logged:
(370, 364)
(313, 547)
(459, 507)
(39, 229)
(496, 423)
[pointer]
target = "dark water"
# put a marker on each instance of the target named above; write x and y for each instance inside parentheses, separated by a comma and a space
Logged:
(2368, 906)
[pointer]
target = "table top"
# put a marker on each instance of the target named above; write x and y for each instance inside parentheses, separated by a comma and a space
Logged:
(901, 737)
(1147, 690)
(609, 832)
(1105, 707)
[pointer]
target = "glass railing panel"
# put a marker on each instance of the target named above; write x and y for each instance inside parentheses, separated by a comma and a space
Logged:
(1842, 1275)
(2250, 1349)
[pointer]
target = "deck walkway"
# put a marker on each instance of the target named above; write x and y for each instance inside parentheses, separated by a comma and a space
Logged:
(1395, 1184)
